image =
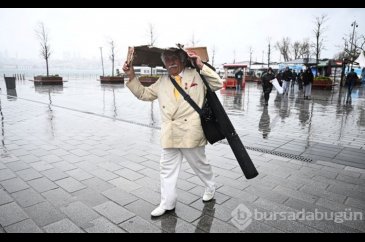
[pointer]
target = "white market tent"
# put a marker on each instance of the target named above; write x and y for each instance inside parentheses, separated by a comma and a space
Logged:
(361, 60)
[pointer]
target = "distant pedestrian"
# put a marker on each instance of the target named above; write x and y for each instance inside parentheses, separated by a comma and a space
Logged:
(294, 78)
(351, 79)
(307, 80)
(279, 77)
(239, 77)
(287, 76)
(266, 79)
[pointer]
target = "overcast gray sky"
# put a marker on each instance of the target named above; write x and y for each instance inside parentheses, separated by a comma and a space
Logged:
(82, 31)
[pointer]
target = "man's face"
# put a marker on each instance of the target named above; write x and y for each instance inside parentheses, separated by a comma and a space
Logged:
(173, 64)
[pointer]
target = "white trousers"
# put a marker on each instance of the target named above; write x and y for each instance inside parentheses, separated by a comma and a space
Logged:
(170, 165)
(308, 90)
(286, 85)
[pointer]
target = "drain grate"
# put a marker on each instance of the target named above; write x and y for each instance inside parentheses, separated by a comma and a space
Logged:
(273, 152)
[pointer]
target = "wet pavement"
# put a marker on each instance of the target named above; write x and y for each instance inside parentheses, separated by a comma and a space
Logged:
(85, 158)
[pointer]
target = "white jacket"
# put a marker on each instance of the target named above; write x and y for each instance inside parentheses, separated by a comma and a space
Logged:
(181, 126)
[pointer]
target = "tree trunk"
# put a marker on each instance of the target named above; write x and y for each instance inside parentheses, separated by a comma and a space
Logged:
(47, 67)
(113, 67)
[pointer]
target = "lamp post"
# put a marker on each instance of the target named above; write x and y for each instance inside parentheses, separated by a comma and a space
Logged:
(354, 25)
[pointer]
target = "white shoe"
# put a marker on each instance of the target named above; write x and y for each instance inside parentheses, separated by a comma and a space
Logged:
(159, 211)
(208, 195)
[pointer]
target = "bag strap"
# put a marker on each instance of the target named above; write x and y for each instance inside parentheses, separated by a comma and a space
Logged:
(186, 96)
(203, 77)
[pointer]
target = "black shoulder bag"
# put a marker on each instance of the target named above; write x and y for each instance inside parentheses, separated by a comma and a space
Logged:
(211, 128)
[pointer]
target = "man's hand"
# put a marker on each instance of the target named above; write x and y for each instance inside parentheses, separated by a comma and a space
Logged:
(196, 59)
(129, 70)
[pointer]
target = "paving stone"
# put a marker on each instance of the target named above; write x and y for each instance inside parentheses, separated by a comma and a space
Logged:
(232, 192)
(132, 166)
(322, 225)
(11, 213)
(213, 225)
(6, 174)
(149, 183)
(104, 174)
(110, 166)
(323, 193)
(214, 210)
(286, 225)
(27, 197)
(152, 165)
(98, 184)
(17, 165)
(114, 212)
(14, 185)
(44, 213)
(139, 225)
(29, 158)
(187, 213)
(4, 197)
(58, 197)
(70, 184)
(79, 213)
(25, 226)
(62, 226)
(90, 197)
(41, 166)
(187, 197)
(79, 174)
(71, 158)
(51, 158)
(28, 174)
(355, 203)
(128, 174)
(101, 225)
(54, 174)
(125, 184)
(141, 208)
(79, 152)
(42, 184)
(147, 195)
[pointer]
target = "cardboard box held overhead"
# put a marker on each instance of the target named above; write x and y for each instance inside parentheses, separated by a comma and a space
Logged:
(146, 55)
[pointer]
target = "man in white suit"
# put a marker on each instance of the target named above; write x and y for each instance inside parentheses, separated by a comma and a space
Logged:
(181, 131)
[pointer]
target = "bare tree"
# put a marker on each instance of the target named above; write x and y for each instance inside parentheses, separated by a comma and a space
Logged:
(284, 48)
(318, 31)
(358, 45)
(304, 51)
(42, 34)
(112, 55)
(296, 50)
(152, 34)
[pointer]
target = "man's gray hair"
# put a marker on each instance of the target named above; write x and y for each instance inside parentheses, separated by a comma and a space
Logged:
(180, 53)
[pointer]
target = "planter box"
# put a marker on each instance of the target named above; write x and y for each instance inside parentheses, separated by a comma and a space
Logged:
(147, 80)
(111, 79)
(323, 84)
(48, 80)
(10, 82)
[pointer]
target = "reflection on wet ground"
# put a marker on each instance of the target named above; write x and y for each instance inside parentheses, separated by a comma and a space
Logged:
(311, 128)
(76, 158)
